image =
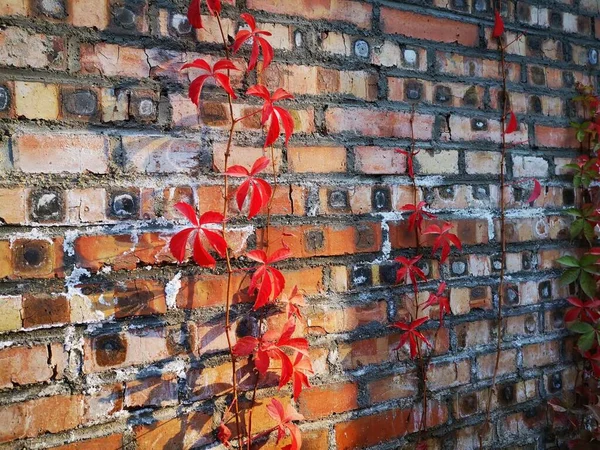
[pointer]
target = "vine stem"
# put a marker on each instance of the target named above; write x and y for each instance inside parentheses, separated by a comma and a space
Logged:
(228, 255)
(501, 286)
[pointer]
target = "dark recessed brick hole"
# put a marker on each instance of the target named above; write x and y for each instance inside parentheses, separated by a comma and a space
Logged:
(361, 48)
(527, 261)
(55, 9)
(32, 256)
(176, 340)
(584, 25)
(568, 79)
(535, 104)
(461, 5)
(381, 198)
(338, 199)
(479, 124)
(558, 320)
(127, 15)
(80, 102)
(429, 195)
(593, 56)
(538, 76)
(110, 350)
(570, 108)
(496, 263)
(471, 98)
(530, 324)
(545, 290)
(314, 240)
(555, 382)
(458, 266)
(413, 90)
(143, 108)
(410, 57)
(511, 295)
(535, 45)
(520, 194)
(425, 266)
(248, 326)
(568, 197)
(478, 293)
(556, 19)
(481, 192)
(365, 238)
(180, 24)
(468, 404)
(481, 5)
(361, 276)
(298, 38)
(446, 192)
(387, 273)
(46, 206)
(523, 12)
(507, 394)
(443, 95)
(4, 98)
(123, 205)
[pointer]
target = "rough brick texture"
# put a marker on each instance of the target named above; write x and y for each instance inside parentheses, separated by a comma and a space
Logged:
(106, 343)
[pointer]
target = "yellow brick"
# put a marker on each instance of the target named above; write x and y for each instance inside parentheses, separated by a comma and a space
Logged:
(36, 100)
(10, 313)
(13, 8)
(86, 13)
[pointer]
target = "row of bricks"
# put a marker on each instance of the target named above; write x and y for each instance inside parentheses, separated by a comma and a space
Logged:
(32, 152)
(129, 17)
(33, 100)
(99, 205)
(94, 302)
(43, 258)
(210, 382)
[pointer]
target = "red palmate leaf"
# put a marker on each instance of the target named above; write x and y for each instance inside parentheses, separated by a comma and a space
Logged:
(222, 79)
(439, 299)
(293, 302)
(257, 189)
(194, 16)
(410, 155)
(178, 243)
(586, 311)
(267, 282)
(444, 239)
(258, 42)
(301, 366)
(274, 113)
(512, 124)
(415, 220)
(224, 434)
(284, 416)
(409, 267)
(536, 192)
(498, 25)
(411, 335)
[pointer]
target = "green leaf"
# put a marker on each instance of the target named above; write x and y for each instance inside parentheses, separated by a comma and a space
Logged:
(586, 341)
(588, 232)
(574, 212)
(576, 228)
(588, 260)
(580, 135)
(569, 261)
(588, 284)
(581, 327)
(570, 276)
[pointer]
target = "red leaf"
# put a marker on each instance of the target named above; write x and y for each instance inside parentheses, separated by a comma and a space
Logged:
(537, 191)
(222, 79)
(245, 346)
(284, 417)
(267, 282)
(259, 165)
(275, 113)
(258, 189)
(179, 242)
(258, 42)
(444, 239)
(498, 25)
(237, 171)
(512, 124)
(201, 256)
(193, 14)
(412, 335)
(224, 434)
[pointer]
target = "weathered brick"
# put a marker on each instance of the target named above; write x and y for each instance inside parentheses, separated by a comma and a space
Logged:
(21, 48)
(36, 100)
(60, 152)
(301, 159)
(27, 365)
(112, 61)
(421, 26)
(342, 397)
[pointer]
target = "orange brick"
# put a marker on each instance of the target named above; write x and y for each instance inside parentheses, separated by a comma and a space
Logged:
(27, 365)
(185, 432)
(90, 14)
(112, 60)
(302, 159)
(379, 160)
(153, 391)
(36, 100)
(113, 441)
(344, 10)
(340, 397)
(542, 354)
(555, 137)
(428, 27)
(392, 387)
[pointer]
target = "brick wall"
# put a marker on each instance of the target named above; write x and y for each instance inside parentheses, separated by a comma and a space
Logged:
(105, 342)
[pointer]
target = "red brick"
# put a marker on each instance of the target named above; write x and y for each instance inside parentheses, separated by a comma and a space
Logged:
(140, 298)
(377, 123)
(340, 397)
(393, 387)
(358, 433)
(43, 309)
(27, 365)
(107, 351)
(487, 363)
(379, 161)
(324, 320)
(160, 154)
(344, 10)
(331, 159)
(114, 441)
(542, 354)
(153, 391)
(428, 27)
(84, 13)
(442, 376)
(555, 137)
(190, 430)
(61, 152)
(43, 415)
